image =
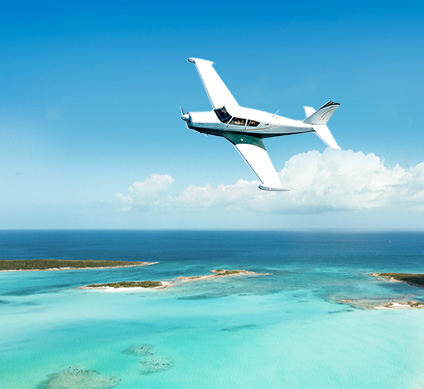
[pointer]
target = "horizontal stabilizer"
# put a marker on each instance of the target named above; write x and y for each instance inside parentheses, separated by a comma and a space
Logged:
(324, 133)
(254, 153)
(322, 116)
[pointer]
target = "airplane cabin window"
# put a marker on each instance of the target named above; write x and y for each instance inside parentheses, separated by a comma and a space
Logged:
(238, 122)
(222, 114)
(252, 123)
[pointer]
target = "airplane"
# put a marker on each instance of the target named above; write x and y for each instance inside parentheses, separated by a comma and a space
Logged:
(245, 128)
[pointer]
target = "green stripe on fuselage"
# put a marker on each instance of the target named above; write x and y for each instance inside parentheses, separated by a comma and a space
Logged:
(237, 139)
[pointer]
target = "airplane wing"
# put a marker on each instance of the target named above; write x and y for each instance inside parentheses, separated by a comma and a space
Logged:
(254, 153)
(218, 93)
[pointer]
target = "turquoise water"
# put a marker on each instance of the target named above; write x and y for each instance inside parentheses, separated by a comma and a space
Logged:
(287, 329)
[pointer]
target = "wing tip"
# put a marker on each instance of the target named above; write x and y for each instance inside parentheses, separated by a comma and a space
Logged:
(273, 189)
(193, 60)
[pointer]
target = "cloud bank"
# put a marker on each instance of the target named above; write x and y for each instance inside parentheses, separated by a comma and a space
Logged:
(318, 183)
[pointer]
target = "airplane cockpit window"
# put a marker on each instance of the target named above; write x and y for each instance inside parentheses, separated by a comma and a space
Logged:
(222, 114)
(225, 117)
(252, 123)
(238, 122)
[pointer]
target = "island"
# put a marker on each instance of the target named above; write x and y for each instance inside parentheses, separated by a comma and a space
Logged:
(129, 285)
(381, 303)
(139, 285)
(65, 264)
(407, 278)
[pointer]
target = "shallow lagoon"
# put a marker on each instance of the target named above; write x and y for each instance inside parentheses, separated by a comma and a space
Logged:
(286, 329)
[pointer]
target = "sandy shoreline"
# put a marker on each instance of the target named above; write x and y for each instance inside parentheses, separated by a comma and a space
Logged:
(387, 278)
(371, 304)
(406, 278)
(402, 305)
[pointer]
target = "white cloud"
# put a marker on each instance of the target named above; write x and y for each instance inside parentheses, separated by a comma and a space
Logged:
(152, 192)
(318, 182)
(341, 180)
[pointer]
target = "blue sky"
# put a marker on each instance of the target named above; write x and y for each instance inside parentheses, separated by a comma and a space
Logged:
(91, 135)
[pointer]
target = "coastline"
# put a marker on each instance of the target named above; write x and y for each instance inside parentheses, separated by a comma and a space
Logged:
(81, 268)
(406, 278)
(402, 305)
(384, 304)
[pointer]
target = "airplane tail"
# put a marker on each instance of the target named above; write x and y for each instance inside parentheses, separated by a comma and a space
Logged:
(318, 119)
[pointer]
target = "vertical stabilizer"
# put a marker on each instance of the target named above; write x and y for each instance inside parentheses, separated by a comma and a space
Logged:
(318, 119)
(321, 116)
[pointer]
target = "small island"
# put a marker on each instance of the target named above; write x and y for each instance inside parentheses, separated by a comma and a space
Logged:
(411, 279)
(65, 264)
(379, 303)
(129, 284)
(139, 285)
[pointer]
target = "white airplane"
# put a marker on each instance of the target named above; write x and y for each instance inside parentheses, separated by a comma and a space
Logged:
(245, 128)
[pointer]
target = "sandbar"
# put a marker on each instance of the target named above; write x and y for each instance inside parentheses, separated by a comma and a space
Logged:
(221, 273)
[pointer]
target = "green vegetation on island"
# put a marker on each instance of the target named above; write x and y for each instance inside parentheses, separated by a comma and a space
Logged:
(411, 279)
(225, 272)
(401, 304)
(64, 264)
(415, 304)
(382, 303)
(128, 284)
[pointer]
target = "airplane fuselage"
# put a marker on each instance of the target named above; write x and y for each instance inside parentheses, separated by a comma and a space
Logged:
(245, 128)
(245, 120)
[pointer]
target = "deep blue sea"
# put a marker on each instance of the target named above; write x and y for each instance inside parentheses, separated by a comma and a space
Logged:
(288, 329)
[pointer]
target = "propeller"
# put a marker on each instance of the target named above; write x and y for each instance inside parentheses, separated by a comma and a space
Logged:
(184, 116)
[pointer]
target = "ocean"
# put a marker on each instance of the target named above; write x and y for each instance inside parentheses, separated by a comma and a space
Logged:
(287, 329)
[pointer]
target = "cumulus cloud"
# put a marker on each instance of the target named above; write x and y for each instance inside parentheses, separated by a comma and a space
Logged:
(152, 192)
(318, 182)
